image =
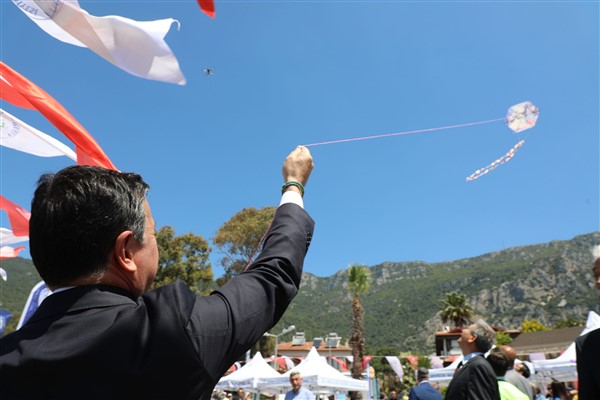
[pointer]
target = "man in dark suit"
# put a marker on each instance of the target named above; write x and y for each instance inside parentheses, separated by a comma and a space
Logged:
(423, 390)
(474, 378)
(587, 348)
(103, 334)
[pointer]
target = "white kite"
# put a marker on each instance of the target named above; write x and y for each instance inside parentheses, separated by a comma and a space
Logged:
(520, 117)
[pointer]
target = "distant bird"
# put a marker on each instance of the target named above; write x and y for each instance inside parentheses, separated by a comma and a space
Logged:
(208, 71)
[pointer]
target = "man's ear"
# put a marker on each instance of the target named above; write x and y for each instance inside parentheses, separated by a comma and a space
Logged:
(124, 249)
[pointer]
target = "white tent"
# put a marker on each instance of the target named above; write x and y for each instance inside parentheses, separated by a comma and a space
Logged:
(318, 376)
(249, 374)
(564, 367)
(443, 376)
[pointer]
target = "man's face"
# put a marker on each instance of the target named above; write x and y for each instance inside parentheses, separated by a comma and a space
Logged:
(296, 382)
(393, 394)
(146, 256)
(466, 341)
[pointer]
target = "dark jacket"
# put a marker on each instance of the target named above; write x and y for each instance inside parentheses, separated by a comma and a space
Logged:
(475, 380)
(95, 342)
(424, 391)
(587, 348)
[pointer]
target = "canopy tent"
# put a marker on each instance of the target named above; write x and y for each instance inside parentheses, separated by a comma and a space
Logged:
(564, 367)
(317, 375)
(249, 374)
(443, 376)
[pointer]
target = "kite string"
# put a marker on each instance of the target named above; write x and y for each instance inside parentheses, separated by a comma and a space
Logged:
(405, 132)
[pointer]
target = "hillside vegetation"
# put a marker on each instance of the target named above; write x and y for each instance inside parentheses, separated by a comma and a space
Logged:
(548, 282)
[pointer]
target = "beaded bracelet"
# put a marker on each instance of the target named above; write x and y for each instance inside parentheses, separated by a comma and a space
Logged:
(293, 183)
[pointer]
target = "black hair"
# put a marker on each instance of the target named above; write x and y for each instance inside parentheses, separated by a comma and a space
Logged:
(76, 215)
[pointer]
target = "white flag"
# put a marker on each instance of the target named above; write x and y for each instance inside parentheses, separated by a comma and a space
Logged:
(8, 237)
(396, 366)
(17, 135)
(137, 47)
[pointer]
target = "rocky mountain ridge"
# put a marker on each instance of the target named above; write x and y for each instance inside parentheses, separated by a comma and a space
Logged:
(548, 282)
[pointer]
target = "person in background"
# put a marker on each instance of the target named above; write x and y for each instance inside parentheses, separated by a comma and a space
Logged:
(514, 377)
(558, 391)
(102, 333)
(500, 360)
(537, 391)
(587, 349)
(423, 390)
(241, 395)
(474, 378)
(298, 392)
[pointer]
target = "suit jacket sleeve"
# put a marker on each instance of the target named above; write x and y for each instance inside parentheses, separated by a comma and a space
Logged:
(224, 325)
(587, 348)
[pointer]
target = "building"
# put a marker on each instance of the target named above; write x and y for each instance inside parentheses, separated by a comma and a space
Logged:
(329, 347)
(551, 343)
(446, 342)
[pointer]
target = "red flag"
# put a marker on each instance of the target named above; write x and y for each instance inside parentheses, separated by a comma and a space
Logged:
(17, 216)
(9, 252)
(58, 115)
(10, 94)
(207, 7)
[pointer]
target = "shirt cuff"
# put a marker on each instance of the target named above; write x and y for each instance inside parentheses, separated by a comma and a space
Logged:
(292, 197)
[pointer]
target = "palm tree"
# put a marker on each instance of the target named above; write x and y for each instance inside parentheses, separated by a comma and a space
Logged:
(456, 309)
(359, 277)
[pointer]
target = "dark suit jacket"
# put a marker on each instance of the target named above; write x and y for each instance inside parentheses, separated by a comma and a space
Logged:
(587, 348)
(476, 380)
(95, 342)
(424, 391)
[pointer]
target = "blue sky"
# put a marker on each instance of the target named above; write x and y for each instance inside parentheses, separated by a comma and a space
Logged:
(297, 72)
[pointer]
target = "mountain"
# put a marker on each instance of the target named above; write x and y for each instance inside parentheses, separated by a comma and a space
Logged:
(548, 282)
(22, 277)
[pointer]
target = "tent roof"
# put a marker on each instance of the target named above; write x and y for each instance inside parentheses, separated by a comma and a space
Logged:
(316, 373)
(248, 375)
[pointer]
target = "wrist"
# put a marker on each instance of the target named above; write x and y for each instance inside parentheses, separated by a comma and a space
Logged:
(294, 186)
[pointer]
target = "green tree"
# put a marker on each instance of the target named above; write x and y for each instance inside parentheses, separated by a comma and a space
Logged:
(568, 323)
(386, 376)
(502, 338)
(183, 258)
(423, 361)
(456, 309)
(533, 325)
(239, 239)
(359, 277)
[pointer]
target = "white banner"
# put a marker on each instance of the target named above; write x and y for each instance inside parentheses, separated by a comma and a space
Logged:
(7, 237)
(137, 47)
(17, 135)
(396, 366)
